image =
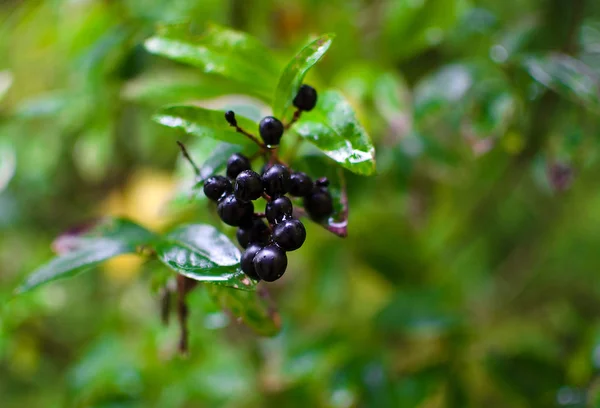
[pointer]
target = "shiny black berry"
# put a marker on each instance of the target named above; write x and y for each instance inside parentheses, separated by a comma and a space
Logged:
(271, 130)
(248, 186)
(236, 164)
(247, 261)
(230, 118)
(319, 204)
(270, 263)
(276, 180)
(289, 234)
(235, 212)
(257, 233)
(278, 209)
(322, 182)
(300, 184)
(306, 98)
(216, 186)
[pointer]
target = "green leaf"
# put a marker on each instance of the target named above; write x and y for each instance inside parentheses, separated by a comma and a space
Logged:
(251, 307)
(107, 239)
(217, 161)
(244, 46)
(568, 77)
(221, 52)
(333, 128)
(204, 123)
(202, 253)
(175, 87)
(293, 74)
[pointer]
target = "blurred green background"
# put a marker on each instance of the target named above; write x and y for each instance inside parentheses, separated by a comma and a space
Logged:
(470, 274)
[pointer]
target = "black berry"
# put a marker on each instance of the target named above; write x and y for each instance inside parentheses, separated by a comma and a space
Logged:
(235, 212)
(300, 184)
(270, 263)
(319, 204)
(306, 98)
(236, 164)
(257, 233)
(322, 182)
(248, 186)
(271, 130)
(216, 186)
(289, 234)
(247, 261)
(278, 209)
(230, 118)
(276, 180)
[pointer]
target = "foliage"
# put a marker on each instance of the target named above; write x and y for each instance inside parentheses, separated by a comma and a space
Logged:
(468, 274)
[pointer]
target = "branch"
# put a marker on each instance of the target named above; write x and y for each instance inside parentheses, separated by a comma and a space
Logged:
(295, 119)
(187, 156)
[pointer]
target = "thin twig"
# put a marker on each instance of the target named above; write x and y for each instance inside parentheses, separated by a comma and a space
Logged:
(295, 119)
(260, 214)
(188, 158)
(165, 305)
(251, 137)
(182, 315)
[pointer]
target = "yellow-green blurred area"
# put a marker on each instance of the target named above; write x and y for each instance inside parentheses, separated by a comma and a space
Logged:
(470, 276)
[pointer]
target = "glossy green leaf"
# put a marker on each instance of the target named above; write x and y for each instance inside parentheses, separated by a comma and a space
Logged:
(202, 253)
(243, 46)
(204, 123)
(221, 52)
(293, 74)
(107, 239)
(333, 128)
(252, 307)
(567, 76)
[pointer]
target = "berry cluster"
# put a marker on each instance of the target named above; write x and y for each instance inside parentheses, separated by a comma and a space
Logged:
(266, 244)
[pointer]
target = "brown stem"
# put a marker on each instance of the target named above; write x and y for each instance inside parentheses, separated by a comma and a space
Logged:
(260, 214)
(295, 118)
(188, 158)
(165, 305)
(251, 137)
(184, 285)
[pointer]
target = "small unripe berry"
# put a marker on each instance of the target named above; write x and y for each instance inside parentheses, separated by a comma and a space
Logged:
(236, 164)
(306, 98)
(279, 209)
(247, 261)
(230, 118)
(276, 180)
(319, 204)
(257, 233)
(248, 186)
(235, 212)
(271, 130)
(300, 184)
(216, 186)
(289, 234)
(270, 263)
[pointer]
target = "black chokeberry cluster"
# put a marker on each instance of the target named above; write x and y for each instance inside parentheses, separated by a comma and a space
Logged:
(266, 244)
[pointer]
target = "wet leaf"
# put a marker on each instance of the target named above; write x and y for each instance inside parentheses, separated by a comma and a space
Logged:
(204, 123)
(220, 52)
(80, 252)
(333, 128)
(294, 73)
(200, 252)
